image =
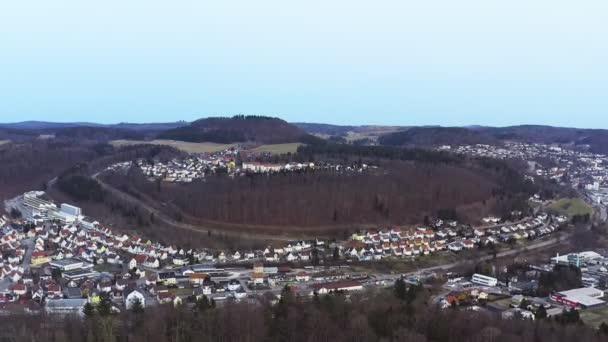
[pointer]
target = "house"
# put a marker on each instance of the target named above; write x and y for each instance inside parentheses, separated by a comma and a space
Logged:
(133, 297)
(19, 289)
(152, 279)
(305, 256)
(302, 276)
(234, 285)
(151, 262)
(468, 244)
(257, 278)
(167, 278)
(165, 297)
(455, 246)
(137, 260)
(37, 294)
(197, 279)
(179, 260)
(113, 258)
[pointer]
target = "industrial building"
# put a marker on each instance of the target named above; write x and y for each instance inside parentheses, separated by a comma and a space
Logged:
(585, 297)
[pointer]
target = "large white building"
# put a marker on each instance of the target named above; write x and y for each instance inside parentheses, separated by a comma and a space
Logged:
(481, 279)
(71, 210)
(261, 167)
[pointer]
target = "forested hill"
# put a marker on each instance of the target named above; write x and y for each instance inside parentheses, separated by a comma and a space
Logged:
(595, 139)
(238, 128)
(436, 136)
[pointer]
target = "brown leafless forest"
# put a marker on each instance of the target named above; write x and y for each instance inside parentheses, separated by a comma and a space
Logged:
(398, 193)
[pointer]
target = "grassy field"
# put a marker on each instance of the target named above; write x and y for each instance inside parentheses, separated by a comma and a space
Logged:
(180, 145)
(278, 148)
(203, 147)
(595, 316)
(571, 207)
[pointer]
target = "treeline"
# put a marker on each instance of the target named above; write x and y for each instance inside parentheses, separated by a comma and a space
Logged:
(400, 193)
(192, 134)
(402, 316)
(335, 151)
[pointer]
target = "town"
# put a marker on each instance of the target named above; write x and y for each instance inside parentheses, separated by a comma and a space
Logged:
(58, 260)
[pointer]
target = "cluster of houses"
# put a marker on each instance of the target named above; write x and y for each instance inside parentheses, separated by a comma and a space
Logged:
(186, 170)
(399, 242)
(580, 168)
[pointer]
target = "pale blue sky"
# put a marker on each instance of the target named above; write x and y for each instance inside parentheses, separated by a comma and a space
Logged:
(402, 62)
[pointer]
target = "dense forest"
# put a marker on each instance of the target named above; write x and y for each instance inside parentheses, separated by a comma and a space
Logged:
(402, 315)
(398, 192)
(437, 136)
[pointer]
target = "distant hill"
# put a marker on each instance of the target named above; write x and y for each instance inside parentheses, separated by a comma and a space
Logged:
(45, 125)
(240, 128)
(95, 133)
(435, 136)
(327, 129)
(596, 139)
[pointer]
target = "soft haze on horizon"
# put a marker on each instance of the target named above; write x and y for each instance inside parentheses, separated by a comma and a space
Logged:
(442, 62)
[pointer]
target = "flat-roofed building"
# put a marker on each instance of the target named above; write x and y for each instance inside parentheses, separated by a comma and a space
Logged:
(71, 210)
(481, 279)
(79, 274)
(584, 297)
(68, 264)
(66, 306)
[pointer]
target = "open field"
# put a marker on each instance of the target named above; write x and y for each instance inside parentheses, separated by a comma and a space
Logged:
(206, 147)
(595, 316)
(180, 145)
(571, 207)
(278, 148)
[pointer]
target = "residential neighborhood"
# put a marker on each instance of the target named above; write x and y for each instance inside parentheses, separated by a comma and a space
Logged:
(233, 161)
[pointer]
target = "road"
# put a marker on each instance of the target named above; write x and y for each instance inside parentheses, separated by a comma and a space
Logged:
(159, 215)
(389, 279)
(27, 257)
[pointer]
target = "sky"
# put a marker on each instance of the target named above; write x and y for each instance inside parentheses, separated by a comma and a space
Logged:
(386, 62)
